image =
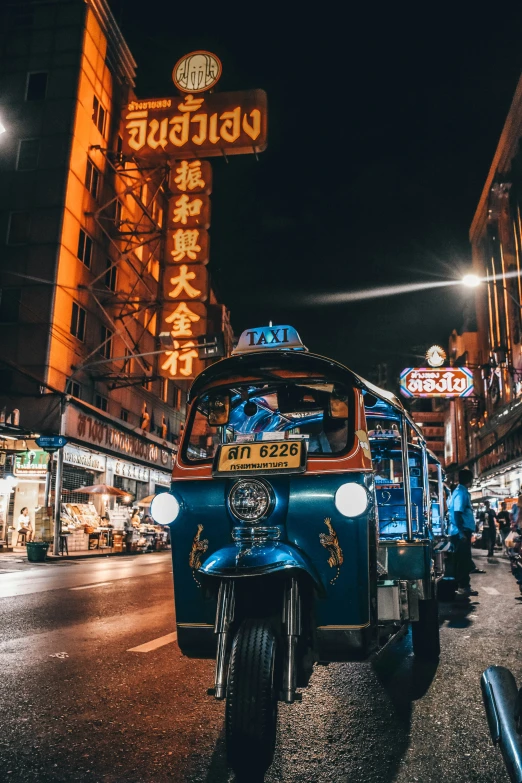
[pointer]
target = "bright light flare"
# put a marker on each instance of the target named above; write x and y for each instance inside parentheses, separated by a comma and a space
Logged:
(472, 281)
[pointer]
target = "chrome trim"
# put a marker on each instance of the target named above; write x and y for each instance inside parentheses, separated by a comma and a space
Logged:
(250, 534)
(271, 499)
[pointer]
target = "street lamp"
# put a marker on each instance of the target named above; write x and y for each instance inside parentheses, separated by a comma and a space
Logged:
(471, 281)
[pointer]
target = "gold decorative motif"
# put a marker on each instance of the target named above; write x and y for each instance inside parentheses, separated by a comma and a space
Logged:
(331, 543)
(364, 443)
(199, 547)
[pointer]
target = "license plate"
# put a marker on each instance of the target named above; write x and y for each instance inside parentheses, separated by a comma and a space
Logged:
(244, 459)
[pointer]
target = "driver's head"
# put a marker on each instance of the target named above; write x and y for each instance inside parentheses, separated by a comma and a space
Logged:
(465, 477)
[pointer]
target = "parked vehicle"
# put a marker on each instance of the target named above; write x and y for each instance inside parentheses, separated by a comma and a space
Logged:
(503, 703)
(300, 523)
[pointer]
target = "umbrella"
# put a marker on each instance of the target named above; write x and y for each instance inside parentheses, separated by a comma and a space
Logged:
(146, 501)
(101, 489)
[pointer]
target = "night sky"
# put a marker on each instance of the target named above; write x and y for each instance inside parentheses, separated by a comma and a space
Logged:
(382, 128)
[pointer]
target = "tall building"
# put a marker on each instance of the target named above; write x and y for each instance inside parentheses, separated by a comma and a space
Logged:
(81, 238)
(494, 446)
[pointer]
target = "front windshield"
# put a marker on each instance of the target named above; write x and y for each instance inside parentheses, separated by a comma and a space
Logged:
(274, 411)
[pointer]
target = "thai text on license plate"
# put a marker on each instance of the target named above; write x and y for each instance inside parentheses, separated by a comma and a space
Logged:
(285, 456)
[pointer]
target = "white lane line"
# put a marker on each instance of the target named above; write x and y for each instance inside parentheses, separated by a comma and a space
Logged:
(86, 587)
(155, 643)
(490, 590)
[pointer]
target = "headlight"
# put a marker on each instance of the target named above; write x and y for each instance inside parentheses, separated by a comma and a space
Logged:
(250, 500)
(351, 500)
(164, 508)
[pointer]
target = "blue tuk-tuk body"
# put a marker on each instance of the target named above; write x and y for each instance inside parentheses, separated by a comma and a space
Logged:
(300, 527)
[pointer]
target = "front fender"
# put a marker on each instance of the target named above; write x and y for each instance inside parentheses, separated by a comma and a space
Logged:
(240, 560)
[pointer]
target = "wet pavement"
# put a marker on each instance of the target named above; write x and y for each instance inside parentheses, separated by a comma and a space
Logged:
(79, 703)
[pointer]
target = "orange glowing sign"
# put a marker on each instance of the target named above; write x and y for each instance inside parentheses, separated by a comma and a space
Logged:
(191, 176)
(187, 244)
(186, 321)
(189, 211)
(233, 123)
(185, 283)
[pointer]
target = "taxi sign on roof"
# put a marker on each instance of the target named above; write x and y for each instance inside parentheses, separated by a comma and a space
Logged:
(265, 338)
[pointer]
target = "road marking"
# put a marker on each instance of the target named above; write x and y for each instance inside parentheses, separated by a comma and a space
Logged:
(86, 587)
(490, 590)
(155, 643)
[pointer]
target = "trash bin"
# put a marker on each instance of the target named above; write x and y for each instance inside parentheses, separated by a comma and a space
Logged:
(37, 551)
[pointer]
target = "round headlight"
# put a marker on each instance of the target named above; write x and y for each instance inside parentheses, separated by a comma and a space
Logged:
(250, 500)
(351, 500)
(164, 508)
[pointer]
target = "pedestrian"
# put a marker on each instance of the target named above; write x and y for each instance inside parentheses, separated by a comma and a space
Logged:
(25, 525)
(462, 527)
(504, 521)
(489, 528)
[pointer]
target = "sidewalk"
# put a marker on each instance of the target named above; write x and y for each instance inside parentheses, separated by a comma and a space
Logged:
(19, 554)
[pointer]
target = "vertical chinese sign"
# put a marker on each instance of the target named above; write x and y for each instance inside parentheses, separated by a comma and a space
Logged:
(181, 132)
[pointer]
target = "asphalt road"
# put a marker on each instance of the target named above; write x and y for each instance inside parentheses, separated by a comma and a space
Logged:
(79, 704)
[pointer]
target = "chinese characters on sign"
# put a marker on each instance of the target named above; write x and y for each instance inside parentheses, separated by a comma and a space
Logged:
(186, 282)
(429, 382)
(223, 123)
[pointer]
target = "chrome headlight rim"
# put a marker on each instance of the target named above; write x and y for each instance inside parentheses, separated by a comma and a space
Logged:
(341, 503)
(268, 489)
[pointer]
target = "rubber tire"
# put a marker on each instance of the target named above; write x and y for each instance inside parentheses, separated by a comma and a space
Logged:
(446, 588)
(251, 708)
(425, 632)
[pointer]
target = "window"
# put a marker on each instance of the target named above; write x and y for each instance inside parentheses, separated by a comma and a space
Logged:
(99, 115)
(36, 86)
(78, 318)
(110, 275)
(147, 384)
(124, 415)
(74, 389)
(176, 400)
(118, 208)
(106, 336)
(92, 179)
(85, 248)
(28, 153)
(144, 190)
(165, 389)
(19, 228)
(10, 305)
(101, 402)
(22, 16)
(150, 321)
(128, 363)
(153, 268)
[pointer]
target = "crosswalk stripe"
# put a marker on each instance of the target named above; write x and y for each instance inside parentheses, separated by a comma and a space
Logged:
(155, 643)
(86, 587)
(490, 590)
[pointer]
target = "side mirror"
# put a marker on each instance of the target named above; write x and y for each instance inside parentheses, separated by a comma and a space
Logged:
(338, 405)
(218, 409)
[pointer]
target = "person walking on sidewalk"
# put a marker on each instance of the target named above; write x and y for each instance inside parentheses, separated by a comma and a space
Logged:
(504, 521)
(462, 526)
(489, 528)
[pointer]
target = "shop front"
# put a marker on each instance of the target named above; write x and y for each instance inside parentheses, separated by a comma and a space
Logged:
(100, 453)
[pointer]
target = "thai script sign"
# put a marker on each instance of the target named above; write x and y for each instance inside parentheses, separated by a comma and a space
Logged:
(131, 471)
(31, 463)
(430, 382)
(197, 72)
(84, 459)
(91, 430)
(232, 123)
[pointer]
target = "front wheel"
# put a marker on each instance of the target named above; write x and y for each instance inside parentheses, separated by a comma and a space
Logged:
(251, 709)
(425, 632)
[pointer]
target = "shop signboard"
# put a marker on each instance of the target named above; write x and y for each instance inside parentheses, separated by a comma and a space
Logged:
(447, 382)
(89, 429)
(31, 464)
(196, 126)
(163, 479)
(191, 176)
(84, 459)
(131, 471)
(189, 210)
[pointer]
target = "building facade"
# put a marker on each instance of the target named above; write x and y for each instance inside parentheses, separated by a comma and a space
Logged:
(81, 241)
(486, 430)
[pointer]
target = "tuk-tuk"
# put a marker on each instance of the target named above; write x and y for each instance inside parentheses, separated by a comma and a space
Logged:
(300, 515)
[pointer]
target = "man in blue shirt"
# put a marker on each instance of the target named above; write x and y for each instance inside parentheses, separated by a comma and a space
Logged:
(462, 526)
